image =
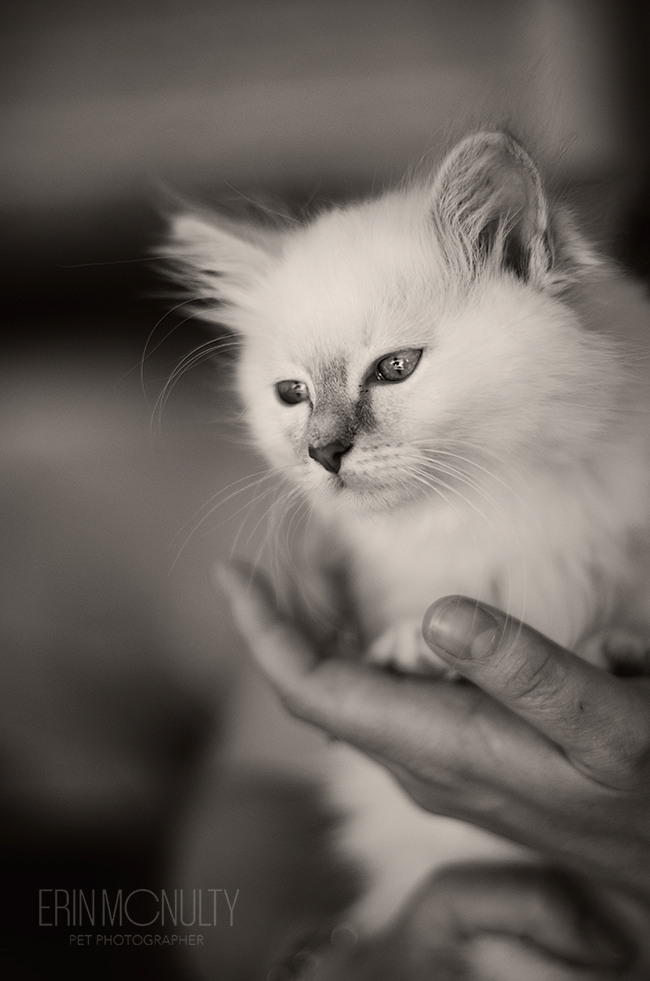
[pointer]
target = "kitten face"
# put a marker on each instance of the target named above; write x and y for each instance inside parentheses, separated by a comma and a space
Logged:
(333, 312)
(391, 346)
(485, 384)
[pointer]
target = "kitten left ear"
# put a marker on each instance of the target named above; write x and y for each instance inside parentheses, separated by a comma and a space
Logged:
(219, 260)
(490, 209)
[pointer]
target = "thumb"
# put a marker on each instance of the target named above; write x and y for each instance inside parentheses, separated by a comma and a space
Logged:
(573, 703)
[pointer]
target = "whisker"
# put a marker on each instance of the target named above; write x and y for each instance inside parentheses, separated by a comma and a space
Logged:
(252, 483)
(532, 516)
(263, 516)
(204, 352)
(464, 478)
(441, 460)
(110, 262)
(250, 480)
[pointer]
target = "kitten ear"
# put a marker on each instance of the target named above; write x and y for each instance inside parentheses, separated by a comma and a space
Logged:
(219, 260)
(490, 210)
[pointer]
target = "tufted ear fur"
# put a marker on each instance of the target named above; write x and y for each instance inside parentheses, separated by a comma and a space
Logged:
(491, 213)
(218, 259)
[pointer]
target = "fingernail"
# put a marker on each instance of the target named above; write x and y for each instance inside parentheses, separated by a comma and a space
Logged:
(460, 627)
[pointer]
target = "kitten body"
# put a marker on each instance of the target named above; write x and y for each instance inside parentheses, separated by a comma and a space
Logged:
(444, 373)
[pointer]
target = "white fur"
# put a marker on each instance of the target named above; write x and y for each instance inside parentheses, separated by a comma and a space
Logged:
(511, 466)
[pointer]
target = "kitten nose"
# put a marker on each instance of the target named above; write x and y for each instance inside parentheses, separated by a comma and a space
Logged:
(329, 456)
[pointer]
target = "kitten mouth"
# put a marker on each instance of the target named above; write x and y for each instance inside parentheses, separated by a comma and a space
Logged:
(354, 488)
(337, 485)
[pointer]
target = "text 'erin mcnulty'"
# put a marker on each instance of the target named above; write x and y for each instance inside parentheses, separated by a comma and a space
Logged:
(139, 907)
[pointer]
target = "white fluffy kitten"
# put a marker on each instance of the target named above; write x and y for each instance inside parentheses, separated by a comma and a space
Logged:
(439, 370)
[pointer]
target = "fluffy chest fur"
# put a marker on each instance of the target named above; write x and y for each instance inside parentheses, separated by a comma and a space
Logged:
(561, 557)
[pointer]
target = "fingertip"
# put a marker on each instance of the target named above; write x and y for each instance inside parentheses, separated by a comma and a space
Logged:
(250, 596)
(457, 627)
(228, 578)
(276, 642)
(236, 576)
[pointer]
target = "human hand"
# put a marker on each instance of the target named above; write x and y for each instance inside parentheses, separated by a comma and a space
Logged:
(480, 922)
(541, 748)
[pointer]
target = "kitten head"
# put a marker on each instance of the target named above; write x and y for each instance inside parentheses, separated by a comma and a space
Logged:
(391, 345)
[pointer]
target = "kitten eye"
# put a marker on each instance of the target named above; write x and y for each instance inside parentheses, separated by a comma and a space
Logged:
(397, 366)
(292, 392)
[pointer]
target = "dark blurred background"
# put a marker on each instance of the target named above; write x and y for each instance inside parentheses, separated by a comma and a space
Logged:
(128, 718)
(104, 102)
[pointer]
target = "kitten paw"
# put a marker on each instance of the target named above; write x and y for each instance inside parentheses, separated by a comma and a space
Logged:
(403, 647)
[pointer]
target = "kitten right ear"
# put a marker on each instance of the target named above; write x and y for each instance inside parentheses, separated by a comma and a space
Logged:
(491, 212)
(219, 260)
(490, 208)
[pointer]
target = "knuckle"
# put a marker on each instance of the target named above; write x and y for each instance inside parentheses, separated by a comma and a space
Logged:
(536, 679)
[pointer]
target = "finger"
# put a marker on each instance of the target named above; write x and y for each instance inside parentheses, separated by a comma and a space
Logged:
(441, 733)
(593, 716)
(340, 695)
(493, 957)
(279, 646)
(537, 906)
(392, 717)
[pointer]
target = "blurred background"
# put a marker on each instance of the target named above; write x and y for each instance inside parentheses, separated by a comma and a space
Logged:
(136, 747)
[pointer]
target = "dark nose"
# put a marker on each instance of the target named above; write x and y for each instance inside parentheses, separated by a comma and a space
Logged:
(329, 456)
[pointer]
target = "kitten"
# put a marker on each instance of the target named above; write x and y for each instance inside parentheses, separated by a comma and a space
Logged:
(443, 373)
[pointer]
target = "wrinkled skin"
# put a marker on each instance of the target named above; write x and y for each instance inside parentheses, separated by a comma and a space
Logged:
(541, 747)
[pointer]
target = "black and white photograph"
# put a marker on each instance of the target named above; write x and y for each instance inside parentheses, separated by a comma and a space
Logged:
(325, 490)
